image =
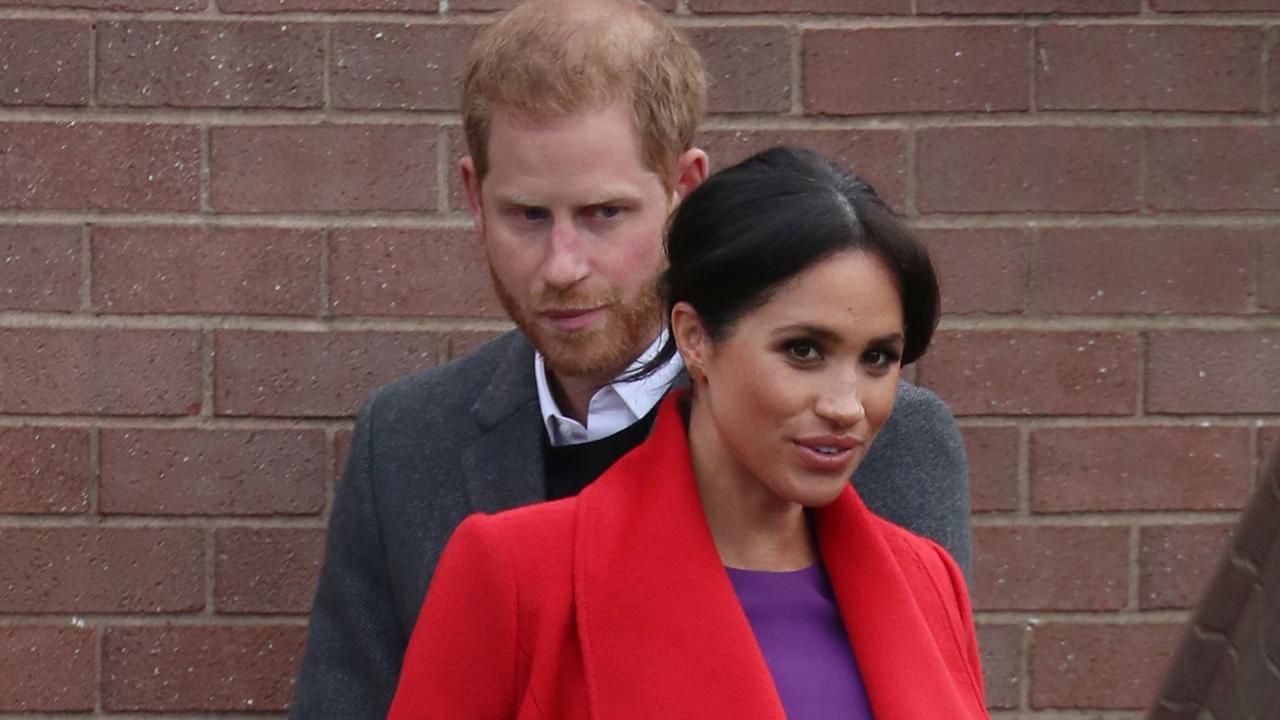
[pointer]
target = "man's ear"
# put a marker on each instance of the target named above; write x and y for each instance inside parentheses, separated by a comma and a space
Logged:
(691, 340)
(471, 182)
(691, 171)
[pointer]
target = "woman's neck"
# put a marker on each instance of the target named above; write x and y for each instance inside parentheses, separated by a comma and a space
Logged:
(753, 528)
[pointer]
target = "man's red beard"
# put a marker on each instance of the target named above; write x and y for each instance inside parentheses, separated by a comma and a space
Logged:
(602, 351)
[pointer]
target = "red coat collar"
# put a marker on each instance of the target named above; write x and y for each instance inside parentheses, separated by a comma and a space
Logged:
(661, 627)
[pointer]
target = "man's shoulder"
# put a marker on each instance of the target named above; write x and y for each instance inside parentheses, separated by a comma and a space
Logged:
(921, 403)
(452, 388)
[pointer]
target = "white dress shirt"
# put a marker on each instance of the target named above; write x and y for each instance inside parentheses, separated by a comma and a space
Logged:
(614, 407)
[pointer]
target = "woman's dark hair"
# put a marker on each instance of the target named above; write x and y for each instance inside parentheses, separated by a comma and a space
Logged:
(751, 227)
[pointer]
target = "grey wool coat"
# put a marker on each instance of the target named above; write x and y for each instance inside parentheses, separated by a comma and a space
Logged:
(438, 445)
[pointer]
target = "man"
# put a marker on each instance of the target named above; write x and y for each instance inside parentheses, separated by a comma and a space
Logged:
(580, 119)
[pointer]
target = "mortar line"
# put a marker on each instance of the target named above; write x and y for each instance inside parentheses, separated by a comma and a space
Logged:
(1135, 575)
(1140, 379)
(443, 151)
(1033, 49)
(206, 374)
(912, 199)
(1144, 168)
(143, 522)
(1024, 666)
(327, 76)
(331, 483)
(98, 631)
(206, 170)
(95, 474)
(325, 296)
(210, 571)
(93, 64)
(1024, 471)
(86, 268)
(797, 69)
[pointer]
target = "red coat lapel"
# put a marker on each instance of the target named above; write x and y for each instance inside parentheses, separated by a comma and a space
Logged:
(902, 664)
(662, 632)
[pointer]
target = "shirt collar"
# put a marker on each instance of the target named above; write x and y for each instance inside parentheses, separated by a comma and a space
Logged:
(613, 407)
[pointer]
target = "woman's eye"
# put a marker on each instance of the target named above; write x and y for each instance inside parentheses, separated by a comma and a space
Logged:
(881, 359)
(803, 350)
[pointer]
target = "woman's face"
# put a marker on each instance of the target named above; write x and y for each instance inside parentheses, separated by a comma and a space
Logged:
(791, 398)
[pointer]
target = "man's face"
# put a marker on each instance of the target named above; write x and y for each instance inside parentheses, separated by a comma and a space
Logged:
(572, 222)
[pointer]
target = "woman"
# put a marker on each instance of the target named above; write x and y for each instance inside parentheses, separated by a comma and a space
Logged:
(725, 568)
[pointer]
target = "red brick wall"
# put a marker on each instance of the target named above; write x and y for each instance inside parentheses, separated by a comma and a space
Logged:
(223, 221)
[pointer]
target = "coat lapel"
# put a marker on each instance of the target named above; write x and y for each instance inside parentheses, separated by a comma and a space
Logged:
(888, 630)
(504, 466)
(662, 632)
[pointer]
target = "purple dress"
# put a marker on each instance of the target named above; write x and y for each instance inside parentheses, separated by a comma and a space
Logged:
(802, 637)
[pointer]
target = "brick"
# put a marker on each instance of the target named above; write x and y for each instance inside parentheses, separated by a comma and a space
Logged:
(1269, 267)
(1099, 665)
(1214, 168)
(980, 271)
(79, 166)
(278, 6)
(213, 472)
(463, 342)
(190, 64)
(1116, 67)
(101, 570)
(1028, 169)
(233, 271)
(1268, 446)
(200, 668)
(749, 67)
(1213, 372)
(39, 268)
(44, 470)
(311, 374)
(489, 5)
(877, 156)
(410, 272)
(1174, 561)
(1033, 373)
(122, 5)
(919, 69)
(1139, 468)
(833, 7)
(1141, 271)
(323, 168)
(100, 371)
(267, 570)
(992, 454)
(1214, 5)
(415, 67)
(979, 7)
(1050, 568)
(1001, 647)
(46, 62)
(46, 669)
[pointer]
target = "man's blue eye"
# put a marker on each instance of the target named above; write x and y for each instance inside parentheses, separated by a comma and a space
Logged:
(534, 213)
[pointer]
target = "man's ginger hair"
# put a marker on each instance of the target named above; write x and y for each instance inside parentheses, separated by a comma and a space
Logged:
(549, 58)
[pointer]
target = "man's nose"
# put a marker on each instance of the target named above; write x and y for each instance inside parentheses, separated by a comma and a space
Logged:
(566, 261)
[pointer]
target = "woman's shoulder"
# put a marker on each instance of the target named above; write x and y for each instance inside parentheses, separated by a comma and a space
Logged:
(532, 537)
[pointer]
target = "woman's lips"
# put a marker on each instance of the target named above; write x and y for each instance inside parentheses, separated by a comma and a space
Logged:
(836, 458)
(571, 320)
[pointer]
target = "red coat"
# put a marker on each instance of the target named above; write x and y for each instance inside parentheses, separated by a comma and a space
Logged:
(615, 605)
